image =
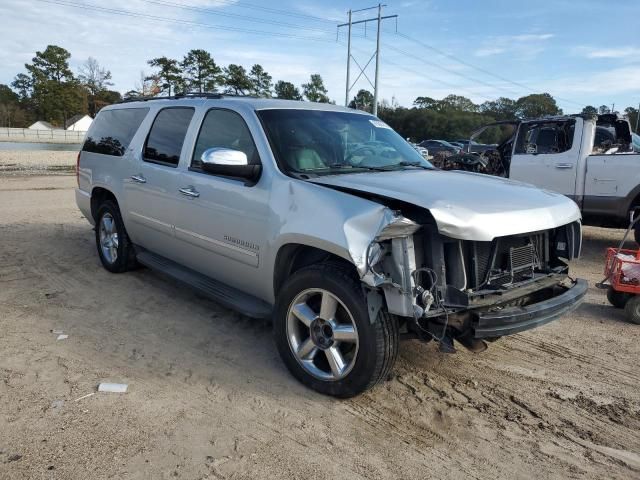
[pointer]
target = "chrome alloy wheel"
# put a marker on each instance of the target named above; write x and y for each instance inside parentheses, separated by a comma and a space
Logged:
(322, 334)
(108, 238)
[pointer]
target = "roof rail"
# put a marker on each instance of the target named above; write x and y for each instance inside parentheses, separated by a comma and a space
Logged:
(177, 96)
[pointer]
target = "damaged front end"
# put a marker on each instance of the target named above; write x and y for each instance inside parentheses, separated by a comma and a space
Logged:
(470, 291)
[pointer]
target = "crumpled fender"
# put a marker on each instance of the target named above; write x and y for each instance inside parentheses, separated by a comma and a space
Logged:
(342, 224)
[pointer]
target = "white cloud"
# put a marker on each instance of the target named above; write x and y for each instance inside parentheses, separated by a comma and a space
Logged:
(619, 52)
(530, 37)
(486, 52)
(526, 45)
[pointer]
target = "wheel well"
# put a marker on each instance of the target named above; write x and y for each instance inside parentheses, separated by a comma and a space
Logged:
(98, 197)
(293, 257)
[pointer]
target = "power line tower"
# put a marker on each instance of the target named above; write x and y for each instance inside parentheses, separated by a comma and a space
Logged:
(375, 55)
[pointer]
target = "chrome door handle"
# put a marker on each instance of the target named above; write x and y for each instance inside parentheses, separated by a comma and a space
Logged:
(189, 192)
(564, 165)
(138, 179)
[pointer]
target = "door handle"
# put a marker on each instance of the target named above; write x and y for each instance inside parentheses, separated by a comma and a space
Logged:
(564, 165)
(138, 179)
(189, 192)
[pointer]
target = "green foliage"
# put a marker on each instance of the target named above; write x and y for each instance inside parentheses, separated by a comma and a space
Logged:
(632, 116)
(287, 91)
(457, 102)
(54, 94)
(261, 82)
(23, 85)
(11, 112)
(362, 101)
(106, 97)
(169, 74)
(236, 80)
(51, 65)
(589, 110)
(315, 91)
(501, 109)
(426, 102)
(602, 109)
(200, 72)
(537, 105)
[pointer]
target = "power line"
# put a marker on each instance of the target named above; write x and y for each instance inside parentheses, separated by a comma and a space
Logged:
(480, 69)
(275, 11)
(249, 18)
(129, 13)
(435, 80)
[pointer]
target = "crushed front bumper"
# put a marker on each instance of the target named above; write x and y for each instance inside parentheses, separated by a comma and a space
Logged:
(518, 319)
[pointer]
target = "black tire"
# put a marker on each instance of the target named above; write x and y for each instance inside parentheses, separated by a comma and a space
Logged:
(617, 299)
(378, 341)
(125, 259)
(632, 310)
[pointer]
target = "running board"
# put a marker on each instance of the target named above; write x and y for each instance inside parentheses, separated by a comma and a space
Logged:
(223, 294)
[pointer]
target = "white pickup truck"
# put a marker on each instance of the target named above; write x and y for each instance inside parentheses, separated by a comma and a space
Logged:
(590, 159)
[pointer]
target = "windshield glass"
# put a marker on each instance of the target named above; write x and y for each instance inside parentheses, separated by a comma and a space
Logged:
(320, 142)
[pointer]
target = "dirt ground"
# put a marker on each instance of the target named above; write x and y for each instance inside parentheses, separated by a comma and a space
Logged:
(209, 398)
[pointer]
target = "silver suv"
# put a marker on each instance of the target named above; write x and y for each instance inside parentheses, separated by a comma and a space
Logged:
(327, 221)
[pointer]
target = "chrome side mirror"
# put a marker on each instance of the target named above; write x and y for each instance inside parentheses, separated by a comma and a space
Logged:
(228, 162)
(223, 156)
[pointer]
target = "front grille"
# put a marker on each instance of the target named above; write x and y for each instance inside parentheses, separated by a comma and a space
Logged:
(507, 260)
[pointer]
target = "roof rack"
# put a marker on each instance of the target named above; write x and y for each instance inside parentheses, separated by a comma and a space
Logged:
(178, 96)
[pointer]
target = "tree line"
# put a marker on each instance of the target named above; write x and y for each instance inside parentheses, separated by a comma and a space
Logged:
(49, 90)
(455, 117)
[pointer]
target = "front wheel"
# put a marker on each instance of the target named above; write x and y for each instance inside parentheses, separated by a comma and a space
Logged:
(325, 336)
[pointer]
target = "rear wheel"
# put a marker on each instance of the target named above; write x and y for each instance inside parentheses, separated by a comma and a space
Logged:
(632, 310)
(617, 299)
(325, 336)
(114, 247)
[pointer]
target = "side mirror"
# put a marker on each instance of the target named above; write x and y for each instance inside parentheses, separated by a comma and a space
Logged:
(230, 163)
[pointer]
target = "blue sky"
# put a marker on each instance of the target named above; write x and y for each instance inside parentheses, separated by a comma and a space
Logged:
(580, 51)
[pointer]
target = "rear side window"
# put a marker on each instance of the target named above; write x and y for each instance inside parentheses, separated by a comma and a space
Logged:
(112, 130)
(166, 137)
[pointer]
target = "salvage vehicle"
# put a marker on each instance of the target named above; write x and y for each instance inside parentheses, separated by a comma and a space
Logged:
(327, 221)
(437, 146)
(590, 159)
(471, 146)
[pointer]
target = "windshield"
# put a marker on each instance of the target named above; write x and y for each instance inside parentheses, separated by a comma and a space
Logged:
(320, 142)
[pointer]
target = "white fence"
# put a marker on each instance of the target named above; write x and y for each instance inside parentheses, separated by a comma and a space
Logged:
(40, 136)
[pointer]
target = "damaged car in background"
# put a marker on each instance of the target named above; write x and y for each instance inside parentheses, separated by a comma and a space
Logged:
(592, 159)
(327, 221)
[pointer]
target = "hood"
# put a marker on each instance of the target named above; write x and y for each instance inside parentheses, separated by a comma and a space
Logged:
(467, 206)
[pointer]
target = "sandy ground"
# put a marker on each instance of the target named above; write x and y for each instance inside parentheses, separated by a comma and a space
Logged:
(36, 162)
(209, 398)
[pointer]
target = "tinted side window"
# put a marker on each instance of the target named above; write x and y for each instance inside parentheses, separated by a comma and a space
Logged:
(226, 129)
(166, 137)
(112, 130)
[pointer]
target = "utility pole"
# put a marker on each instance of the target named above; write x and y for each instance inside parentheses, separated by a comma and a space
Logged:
(349, 86)
(346, 94)
(375, 90)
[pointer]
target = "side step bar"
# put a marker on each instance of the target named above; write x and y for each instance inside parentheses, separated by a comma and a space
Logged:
(223, 294)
